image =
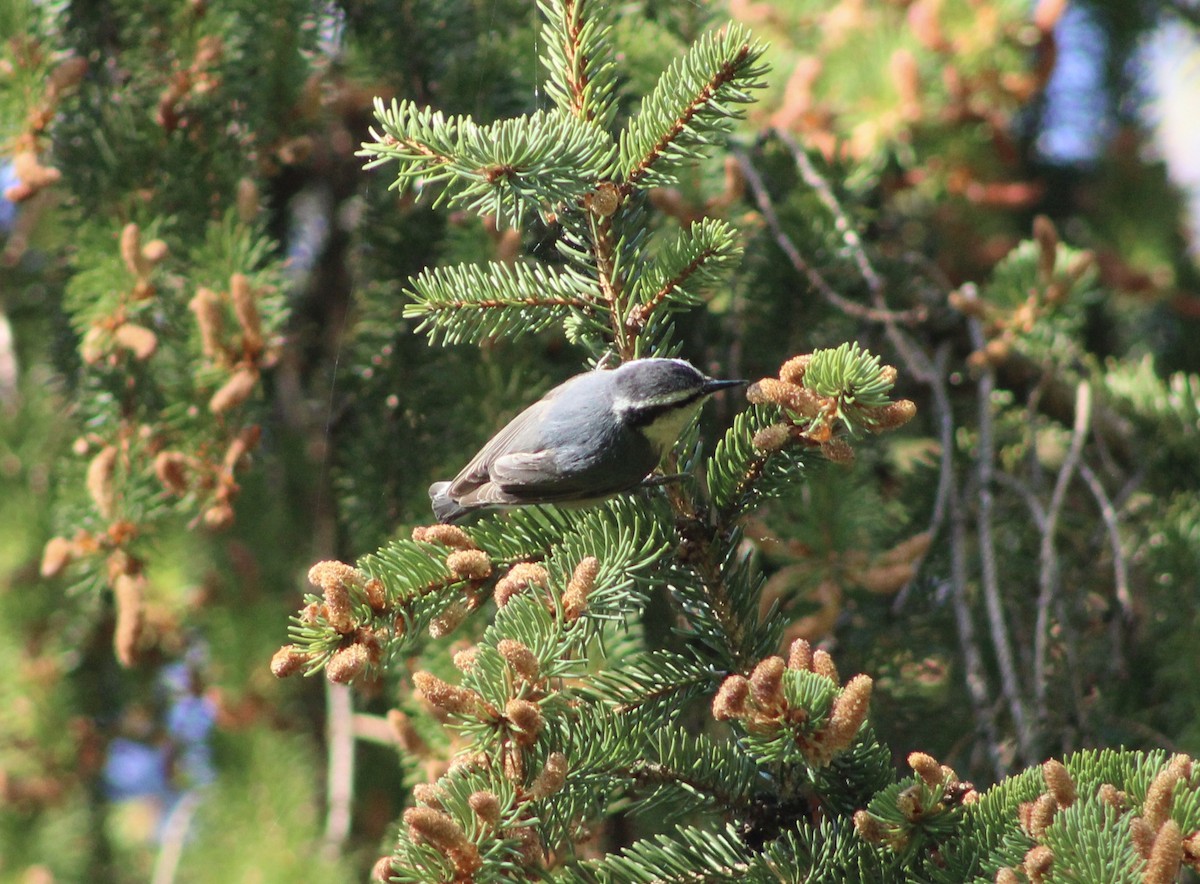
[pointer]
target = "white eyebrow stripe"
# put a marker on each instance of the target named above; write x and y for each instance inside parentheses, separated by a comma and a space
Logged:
(623, 403)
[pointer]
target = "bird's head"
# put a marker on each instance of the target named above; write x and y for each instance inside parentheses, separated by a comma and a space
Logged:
(660, 397)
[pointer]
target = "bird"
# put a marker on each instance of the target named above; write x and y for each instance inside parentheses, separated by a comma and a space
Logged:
(593, 436)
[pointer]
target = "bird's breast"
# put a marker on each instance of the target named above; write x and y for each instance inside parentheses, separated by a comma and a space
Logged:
(664, 431)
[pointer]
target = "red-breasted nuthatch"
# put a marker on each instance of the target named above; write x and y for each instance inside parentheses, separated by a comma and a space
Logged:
(593, 436)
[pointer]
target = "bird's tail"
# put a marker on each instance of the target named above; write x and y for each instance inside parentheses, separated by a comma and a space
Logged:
(445, 508)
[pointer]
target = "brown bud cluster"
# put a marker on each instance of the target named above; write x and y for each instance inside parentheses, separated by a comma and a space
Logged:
(31, 175)
(210, 320)
(1004, 325)
(870, 828)
(1038, 862)
(236, 390)
(812, 416)
(443, 535)
(1156, 836)
(445, 835)
(1035, 816)
(1166, 856)
(347, 663)
(449, 620)
(405, 734)
(129, 592)
(1059, 783)
(339, 582)
(574, 599)
(760, 702)
(766, 684)
(100, 474)
(246, 311)
(891, 416)
(525, 720)
(822, 664)
(519, 578)
(464, 660)
(937, 790)
(893, 569)
(383, 869)
(521, 660)
(60, 552)
(428, 794)
(927, 769)
(731, 698)
(189, 83)
(773, 438)
(837, 450)
(486, 806)
(140, 260)
(140, 341)
(801, 401)
(171, 468)
(288, 660)
(449, 698)
(469, 564)
(551, 778)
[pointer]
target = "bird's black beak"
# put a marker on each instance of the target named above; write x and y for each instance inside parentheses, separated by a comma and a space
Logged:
(711, 385)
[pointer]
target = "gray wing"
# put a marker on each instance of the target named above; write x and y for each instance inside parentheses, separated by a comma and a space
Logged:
(518, 466)
(519, 436)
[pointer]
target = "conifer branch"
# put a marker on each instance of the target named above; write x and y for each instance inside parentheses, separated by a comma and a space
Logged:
(512, 168)
(714, 77)
(470, 303)
(697, 259)
(689, 855)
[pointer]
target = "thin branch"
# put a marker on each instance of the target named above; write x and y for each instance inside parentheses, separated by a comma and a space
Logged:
(1109, 514)
(1048, 571)
(339, 776)
(841, 221)
(373, 729)
(1023, 491)
(493, 303)
(978, 688)
(173, 836)
(821, 186)
(9, 366)
(604, 250)
(944, 420)
(997, 625)
(577, 62)
(814, 277)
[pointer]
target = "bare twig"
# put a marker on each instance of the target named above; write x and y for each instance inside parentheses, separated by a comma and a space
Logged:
(1023, 491)
(1109, 513)
(373, 729)
(997, 625)
(1048, 571)
(805, 269)
(820, 185)
(9, 372)
(339, 776)
(978, 688)
(841, 221)
(944, 420)
(173, 837)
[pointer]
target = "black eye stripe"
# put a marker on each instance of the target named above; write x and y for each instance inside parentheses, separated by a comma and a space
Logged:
(642, 417)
